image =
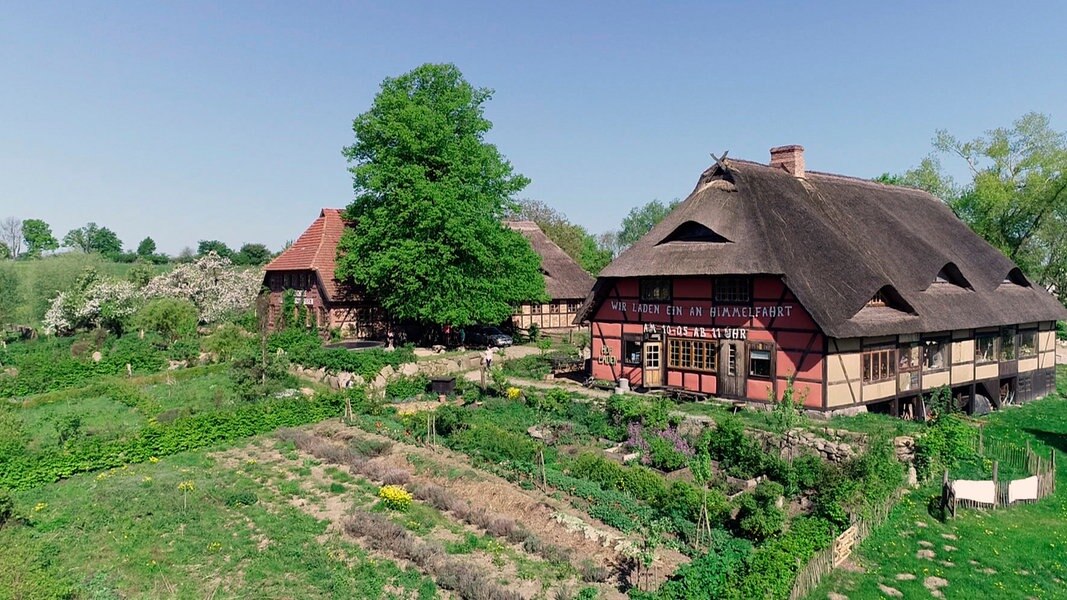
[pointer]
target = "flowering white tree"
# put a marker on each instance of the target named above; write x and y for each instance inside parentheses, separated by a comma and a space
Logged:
(211, 283)
(92, 302)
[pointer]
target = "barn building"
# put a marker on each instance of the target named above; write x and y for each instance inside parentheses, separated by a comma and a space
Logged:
(307, 269)
(864, 294)
(566, 284)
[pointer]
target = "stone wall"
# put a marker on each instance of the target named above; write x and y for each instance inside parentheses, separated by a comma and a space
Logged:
(830, 444)
(376, 384)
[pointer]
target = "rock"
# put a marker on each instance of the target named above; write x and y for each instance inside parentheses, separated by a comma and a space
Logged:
(913, 476)
(905, 577)
(925, 544)
(97, 357)
(891, 592)
(332, 381)
(949, 536)
(948, 563)
(925, 554)
(950, 548)
(307, 392)
(344, 380)
(452, 366)
(358, 380)
(175, 364)
(409, 369)
(387, 371)
(934, 583)
(379, 383)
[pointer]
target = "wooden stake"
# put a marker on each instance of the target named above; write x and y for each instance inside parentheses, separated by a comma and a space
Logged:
(996, 492)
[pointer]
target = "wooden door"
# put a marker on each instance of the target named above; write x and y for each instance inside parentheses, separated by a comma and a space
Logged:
(732, 369)
(653, 364)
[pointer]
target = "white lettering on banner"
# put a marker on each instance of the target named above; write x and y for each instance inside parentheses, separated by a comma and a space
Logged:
(735, 312)
(715, 333)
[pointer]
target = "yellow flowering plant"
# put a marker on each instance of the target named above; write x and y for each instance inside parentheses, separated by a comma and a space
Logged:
(395, 497)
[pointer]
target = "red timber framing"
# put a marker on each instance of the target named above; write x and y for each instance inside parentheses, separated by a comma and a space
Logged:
(739, 337)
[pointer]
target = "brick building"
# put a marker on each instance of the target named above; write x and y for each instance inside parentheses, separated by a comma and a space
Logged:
(307, 268)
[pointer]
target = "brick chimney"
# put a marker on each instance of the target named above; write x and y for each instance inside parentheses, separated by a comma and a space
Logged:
(789, 157)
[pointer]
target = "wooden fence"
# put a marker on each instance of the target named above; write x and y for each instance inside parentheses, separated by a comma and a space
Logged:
(998, 493)
(840, 550)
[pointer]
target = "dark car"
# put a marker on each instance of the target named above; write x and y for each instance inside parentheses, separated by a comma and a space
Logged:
(487, 336)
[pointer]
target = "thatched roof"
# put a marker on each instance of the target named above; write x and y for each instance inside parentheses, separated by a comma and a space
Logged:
(564, 279)
(837, 241)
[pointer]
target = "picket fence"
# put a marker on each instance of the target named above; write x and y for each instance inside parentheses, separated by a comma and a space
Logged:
(840, 550)
(998, 493)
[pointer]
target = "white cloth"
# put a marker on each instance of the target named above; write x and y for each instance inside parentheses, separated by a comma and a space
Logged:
(1022, 489)
(975, 491)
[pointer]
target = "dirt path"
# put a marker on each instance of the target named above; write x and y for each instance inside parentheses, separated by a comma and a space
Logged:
(551, 520)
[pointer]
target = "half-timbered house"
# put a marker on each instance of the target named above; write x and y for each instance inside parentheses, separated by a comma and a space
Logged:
(859, 293)
(307, 270)
(566, 283)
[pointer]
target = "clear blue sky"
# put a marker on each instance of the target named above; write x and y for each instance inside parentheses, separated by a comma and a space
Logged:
(188, 121)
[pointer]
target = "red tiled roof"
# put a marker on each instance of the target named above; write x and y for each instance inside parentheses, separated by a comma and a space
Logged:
(316, 250)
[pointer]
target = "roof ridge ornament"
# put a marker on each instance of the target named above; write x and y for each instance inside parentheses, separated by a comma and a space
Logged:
(721, 160)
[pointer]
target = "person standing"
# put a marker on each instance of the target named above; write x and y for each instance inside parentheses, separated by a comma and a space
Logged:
(488, 358)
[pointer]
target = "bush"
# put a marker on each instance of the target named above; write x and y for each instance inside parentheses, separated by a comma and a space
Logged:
(758, 516)
(649, 411)
(944, 444)
(738, 454)
(154, 440)
(305, 348)
(170, 318)
(710, 575)
(229, 340)
(404, 388)
(7, 507)
(771, 569)
(395, 497)
(244, 498)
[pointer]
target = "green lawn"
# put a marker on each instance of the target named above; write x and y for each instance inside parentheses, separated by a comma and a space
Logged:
(133, 533)
(1017, 552)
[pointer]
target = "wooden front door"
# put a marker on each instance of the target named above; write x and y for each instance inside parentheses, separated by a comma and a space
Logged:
(732, 369)
(652, 364)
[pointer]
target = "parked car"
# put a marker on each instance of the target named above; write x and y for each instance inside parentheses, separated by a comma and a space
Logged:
(487, 336)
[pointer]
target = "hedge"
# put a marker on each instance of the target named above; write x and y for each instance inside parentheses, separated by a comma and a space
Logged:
(155, 440)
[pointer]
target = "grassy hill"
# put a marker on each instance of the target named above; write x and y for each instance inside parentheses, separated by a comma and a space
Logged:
(1017, 552)
(28, 286)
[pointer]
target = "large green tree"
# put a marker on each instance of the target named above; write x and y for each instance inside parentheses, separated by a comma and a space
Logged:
(146, 248)
(39, 238)
(430, 193)
(1017, 196)
(94, 238)
(252, 254)
(220, 248)
(573, 239)
(641, 219)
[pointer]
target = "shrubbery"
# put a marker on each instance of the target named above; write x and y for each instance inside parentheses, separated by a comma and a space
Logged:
(50, 364)
(305, 348)
(29, 470)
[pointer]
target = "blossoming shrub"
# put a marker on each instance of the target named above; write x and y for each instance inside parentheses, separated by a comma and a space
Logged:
(92, 302)
(395, 497)
(212, 284)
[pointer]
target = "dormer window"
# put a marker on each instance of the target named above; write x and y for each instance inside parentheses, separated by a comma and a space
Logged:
(691, 231)
(887, 297)
(1015, 276)
(878, 300)
(950, 274)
